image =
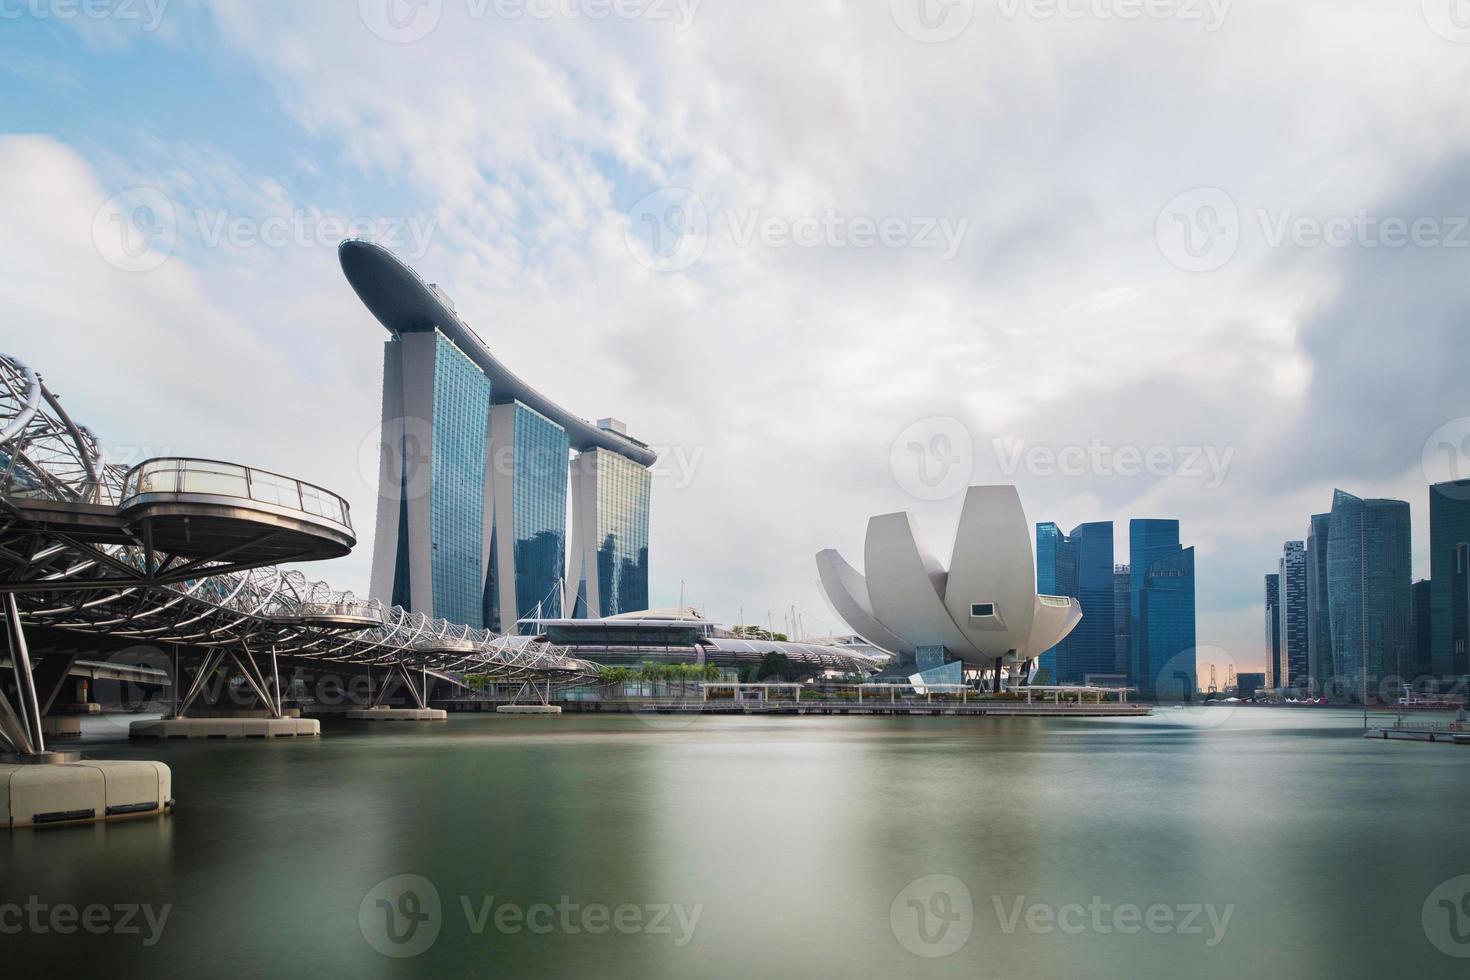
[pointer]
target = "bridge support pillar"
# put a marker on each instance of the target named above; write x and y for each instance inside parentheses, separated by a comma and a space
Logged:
(21, 723)
(418, 711)
(269, 721)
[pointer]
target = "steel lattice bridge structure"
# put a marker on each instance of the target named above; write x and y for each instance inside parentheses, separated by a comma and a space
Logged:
(185, 553)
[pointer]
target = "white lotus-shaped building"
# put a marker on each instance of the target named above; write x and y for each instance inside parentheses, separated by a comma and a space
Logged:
(983, 613)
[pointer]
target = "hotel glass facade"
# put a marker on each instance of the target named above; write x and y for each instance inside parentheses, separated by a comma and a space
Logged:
(473, 523)
(461, 408)
(542, 451)
(432, 479)
(610, 547)
(526, 567)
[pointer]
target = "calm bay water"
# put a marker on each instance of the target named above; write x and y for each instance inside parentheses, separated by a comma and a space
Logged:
(804, 846)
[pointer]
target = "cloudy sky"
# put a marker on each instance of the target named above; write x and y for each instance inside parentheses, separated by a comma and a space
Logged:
(1190, 258)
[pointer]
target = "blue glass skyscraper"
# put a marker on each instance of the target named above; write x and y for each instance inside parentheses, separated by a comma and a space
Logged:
(1293, 593)
(1122, 622)
(1319, 624)
(1369, 567)
(1092, 646)
(436, 406)
(1056, 574)
(1421, 624)
(1166, 620)
(609, 560)
(1080, 565)
(526, 513)
(1273, 629)
(1151, 541)
(1449, 579)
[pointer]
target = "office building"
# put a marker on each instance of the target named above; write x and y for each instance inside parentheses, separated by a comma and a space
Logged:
(1449, 579)
(1162, 612)
(1292, 569)
(1319, 626)
(1080, 565)
(1273, 630)
(1368, 590)
(1122, 621)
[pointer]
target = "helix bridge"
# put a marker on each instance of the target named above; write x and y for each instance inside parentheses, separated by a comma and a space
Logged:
(186, 555)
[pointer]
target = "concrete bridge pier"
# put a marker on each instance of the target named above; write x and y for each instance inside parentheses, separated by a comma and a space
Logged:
(40, 786)
(400, 677)
(261, 717)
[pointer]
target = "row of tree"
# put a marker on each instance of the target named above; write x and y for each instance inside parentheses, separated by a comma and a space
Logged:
(670, 675)
(756, 633)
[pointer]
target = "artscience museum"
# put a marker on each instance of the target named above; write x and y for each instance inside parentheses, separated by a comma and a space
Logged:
(979, 618)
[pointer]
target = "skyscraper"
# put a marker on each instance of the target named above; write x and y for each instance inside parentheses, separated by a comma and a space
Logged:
(436, 406)
(1166, 621)
(1122, 621)
(1273, 630)
(1319, 625)
(1449, 579)
(525, 516)
(609, 559)
(1056, 574)
(1293, 593)
(1079, 565)
(1090, 647)
(1148, 541)
(472, 510)
(1368, 582)
(1421, 623)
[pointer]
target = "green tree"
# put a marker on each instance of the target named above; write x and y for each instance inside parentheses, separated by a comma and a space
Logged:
(777, 665)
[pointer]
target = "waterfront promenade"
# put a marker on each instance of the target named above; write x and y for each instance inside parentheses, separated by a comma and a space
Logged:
(818, 706)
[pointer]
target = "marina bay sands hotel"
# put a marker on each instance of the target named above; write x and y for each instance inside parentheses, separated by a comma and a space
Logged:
(473, 480)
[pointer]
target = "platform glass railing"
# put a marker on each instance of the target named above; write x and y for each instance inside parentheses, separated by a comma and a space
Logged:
(215, 478)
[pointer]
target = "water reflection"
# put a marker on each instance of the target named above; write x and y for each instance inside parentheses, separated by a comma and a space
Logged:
(797, 841)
